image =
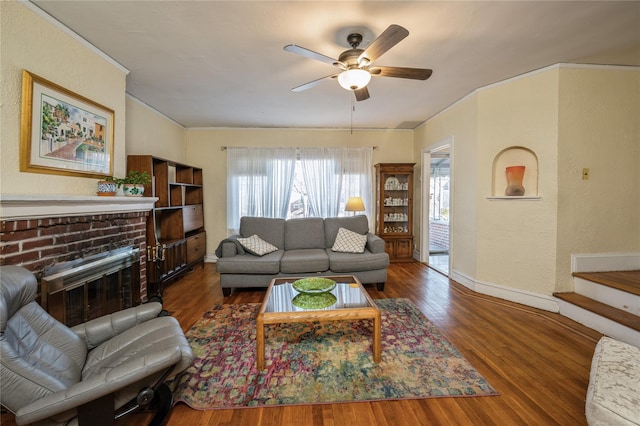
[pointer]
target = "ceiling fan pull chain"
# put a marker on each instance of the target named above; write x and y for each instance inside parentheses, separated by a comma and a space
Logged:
(353, 108)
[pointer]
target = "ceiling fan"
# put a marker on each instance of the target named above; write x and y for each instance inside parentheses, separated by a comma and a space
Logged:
(356, 64)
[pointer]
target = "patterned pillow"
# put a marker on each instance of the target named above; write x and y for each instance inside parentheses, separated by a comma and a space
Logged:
(349, 242)
(256, 245)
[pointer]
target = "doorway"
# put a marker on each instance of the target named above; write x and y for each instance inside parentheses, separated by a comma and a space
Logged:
(436, 196)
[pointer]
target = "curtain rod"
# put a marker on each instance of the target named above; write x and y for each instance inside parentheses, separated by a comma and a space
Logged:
(224, 148)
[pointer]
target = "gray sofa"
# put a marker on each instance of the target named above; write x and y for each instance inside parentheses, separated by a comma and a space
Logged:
(304, 249)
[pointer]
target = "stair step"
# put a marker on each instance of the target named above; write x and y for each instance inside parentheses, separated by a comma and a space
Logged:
(627, 281)
(622, 317)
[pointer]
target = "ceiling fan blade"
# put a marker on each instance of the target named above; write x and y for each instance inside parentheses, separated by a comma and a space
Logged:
(311, 84)
(302, 51)
(385, 41)
(400, 72)
(362, 94)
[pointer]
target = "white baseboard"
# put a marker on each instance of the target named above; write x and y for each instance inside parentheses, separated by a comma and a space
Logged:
(524, 297)
(210, 258)
(602, 262)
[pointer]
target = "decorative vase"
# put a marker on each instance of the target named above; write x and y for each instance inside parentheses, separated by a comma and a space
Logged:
(106, 188)
(514, 181)
(132, 190)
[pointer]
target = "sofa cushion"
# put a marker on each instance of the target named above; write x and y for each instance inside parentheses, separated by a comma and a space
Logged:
(269, 229)
(349, 242)
(613, 393)
(350, 262)
(358, 224)
(250, 264)
(305, 233)
(256, 245)
(303, 261)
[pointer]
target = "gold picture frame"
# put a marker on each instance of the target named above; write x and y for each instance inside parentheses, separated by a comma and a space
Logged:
(62, 132)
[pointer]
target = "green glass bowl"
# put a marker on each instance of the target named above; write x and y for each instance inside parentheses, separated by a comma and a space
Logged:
(314, 285)
(314, 301)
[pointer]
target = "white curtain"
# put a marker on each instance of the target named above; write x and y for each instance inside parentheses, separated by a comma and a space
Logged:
(322, 171)
(358, 177)
(332, 175)
(259, 182)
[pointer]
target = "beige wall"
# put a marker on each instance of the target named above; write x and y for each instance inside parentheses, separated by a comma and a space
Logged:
(151, 133)
(517, 238)
(29, 41)
(599, 128)
(459, 123)
(570, 117)
(203, 148)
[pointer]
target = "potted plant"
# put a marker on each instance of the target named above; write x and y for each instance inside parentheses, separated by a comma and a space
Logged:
(107, 186)
(133, 183)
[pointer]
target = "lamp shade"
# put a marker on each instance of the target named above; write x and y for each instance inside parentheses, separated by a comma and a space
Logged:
(354, 204)
(354, 79)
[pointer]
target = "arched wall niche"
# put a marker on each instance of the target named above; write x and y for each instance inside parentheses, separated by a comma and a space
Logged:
(515, 156)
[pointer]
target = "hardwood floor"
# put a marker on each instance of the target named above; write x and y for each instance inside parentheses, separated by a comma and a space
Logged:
(538, 361)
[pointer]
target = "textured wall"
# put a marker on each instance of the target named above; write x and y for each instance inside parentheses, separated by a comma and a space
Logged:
(571, 117)
(30, 41)
(599, 128)
(151, 133)
(517, 239)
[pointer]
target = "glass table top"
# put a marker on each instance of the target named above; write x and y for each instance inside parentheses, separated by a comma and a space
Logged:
(348, 295)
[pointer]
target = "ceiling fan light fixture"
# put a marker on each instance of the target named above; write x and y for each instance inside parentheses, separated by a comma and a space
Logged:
(354, 79)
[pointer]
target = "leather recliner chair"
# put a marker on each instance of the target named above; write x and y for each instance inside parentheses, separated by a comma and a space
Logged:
(91, 373)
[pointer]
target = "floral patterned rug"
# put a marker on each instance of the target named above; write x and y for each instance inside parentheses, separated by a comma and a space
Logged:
(321, 362)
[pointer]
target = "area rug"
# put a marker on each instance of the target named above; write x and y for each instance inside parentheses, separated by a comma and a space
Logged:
(321, 362)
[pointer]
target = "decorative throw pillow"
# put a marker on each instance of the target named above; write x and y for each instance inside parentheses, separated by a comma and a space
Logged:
(256, 245)
(349, 242)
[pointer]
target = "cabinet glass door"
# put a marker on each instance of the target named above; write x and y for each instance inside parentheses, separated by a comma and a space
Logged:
(395, 204)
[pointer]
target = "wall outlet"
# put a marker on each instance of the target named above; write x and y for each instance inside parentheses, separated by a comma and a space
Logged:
(585, 173)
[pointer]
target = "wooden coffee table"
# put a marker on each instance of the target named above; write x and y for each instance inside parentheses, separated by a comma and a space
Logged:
(353, 303)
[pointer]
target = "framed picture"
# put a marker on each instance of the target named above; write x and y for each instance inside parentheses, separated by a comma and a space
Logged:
(62, 132)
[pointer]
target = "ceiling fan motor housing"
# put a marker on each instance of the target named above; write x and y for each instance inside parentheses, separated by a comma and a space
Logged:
(350, 58)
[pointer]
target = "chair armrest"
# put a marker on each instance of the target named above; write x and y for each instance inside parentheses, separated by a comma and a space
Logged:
(375, 244)
(99, 330)
(99, 385)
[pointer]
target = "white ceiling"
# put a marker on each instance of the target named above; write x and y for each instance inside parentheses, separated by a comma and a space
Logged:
(222, 63)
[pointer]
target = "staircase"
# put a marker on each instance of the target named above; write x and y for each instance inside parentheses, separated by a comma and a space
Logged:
(608, 302)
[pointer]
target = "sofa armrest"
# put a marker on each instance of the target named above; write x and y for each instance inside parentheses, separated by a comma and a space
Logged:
(99, 330)
(375, 244)
(229, 247)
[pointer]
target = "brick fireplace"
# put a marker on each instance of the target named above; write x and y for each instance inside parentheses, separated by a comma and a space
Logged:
(39, 232)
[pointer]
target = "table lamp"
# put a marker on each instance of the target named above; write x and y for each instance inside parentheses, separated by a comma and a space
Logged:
(354, 204)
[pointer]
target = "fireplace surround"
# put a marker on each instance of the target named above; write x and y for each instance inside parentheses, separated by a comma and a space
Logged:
(40, 232)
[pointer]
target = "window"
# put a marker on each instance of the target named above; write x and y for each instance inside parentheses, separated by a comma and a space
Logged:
(293, 183)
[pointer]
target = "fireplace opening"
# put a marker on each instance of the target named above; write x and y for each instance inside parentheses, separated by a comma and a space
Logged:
(76, 291)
